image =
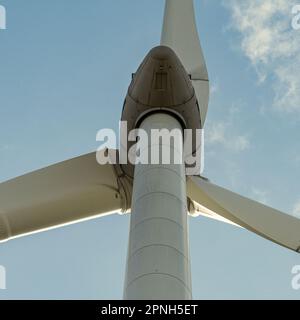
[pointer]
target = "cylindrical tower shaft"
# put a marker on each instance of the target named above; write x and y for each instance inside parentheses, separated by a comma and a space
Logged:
(158, 265)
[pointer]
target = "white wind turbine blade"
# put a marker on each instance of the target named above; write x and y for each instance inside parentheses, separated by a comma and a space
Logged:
(61, 194)
(195, 209)
(269, 223)
(180, 33)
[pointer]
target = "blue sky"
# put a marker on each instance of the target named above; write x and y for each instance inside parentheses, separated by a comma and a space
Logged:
(65, 67)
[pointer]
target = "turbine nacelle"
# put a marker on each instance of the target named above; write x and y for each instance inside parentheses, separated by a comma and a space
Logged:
(161, 81)
(161, 84)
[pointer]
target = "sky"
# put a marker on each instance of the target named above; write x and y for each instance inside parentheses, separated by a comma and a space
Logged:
(65, 67)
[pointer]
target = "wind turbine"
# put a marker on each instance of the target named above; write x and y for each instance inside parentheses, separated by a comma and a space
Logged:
(170, 90)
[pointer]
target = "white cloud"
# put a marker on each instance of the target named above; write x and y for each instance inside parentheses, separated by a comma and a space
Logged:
(297, 159)
(220, 133)
(296, 209)
(214, 88)
(6, 147)
(259, 195)
(271, 44)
